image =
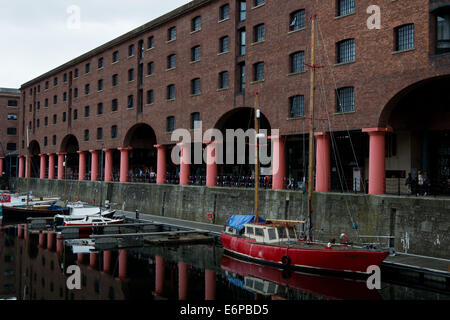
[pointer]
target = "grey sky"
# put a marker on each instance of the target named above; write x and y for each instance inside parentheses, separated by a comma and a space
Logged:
(35, 37)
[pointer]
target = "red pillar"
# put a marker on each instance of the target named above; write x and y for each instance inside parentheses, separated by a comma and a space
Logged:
(124, 164)
(182, 280)
(123, 262)
(211, 164)
(210, 285)
(20, 229)
(185, 160)
(51, 166)
(94, 165)
(159, 286)
(21, 166)
(59, 245)
(1, 166)
(50, 241)
(92, 260)
(107, 261)
(80, 258)
(377, 165)
(108, 165)
(61, 165)
(323, 181)
(81, 165)
(42, 240)
(279, 163)
(161, 164)
(43, 166)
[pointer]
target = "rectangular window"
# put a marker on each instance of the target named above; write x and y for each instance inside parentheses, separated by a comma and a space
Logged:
(86, 111)
(11, 146)
(115, 56)
(65, 77)
(443, 32)
(150, 42)
(38, 122)
(150, 68)
(115, 80)
(297, 106)
(46, 85)
(88, 68)
(99, 133)
(100, 85)
(46, 103)
(55, 99)
(259, 2)
(64, 117)
(100, 63)
(258, 33)
(131, 50)
(171, 61)
(196, 24)
(55, 118)
(345, 99)
(345, 51)
(55, 82)
(172, 34)
(242, 42)
(258, 73)
(171, 92)
(195, 53)
(45, 141)
(195, 86)
(131, 75)
(46, 121)
(12, 116)
(11, 131)
(242, 11)
(223, 80)
(297, 20)
(86, 135)
(54, 140)
(114, 105)
(404, 37)
(224, 12)
(75, 74)
(259, 232)
(297, 62)
(75, 114)
(272, 234)
(75, 93)
(345, 7)
(223, 44)
(100, 108)
(113, 132)
(242, 77)
(87, 89)
(195, 120)
(12, 103)
(149, 96)
(170, 123)
(130, 103)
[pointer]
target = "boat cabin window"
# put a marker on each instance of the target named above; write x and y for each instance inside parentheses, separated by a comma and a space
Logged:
(291, 232)
(282, 233)
(250, 230)
(259, 232)
(272, 234)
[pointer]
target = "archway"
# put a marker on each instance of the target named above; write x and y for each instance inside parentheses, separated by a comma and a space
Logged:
(142, 164)
(70, 145)
(35, 150)
(419, 116)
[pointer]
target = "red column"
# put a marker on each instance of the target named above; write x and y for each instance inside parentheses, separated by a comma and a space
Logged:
(182, 280)
(81, 165)
(185, 160)
(377, 165)
(61, 165)
(159, 286)
(42, 240)
(107, 261)
(59, 245)
(124, 164)
(1, 166)
(43, 166)
(123, 261)
(161, 164)
(92, 260)
(94, 165)
(80, 258)
(50, 241)
(21, 166)
(323, 181)
(20, 229)
(210, 285)
(51, 166)
(211, 164)
(279, 163)
(108, 165)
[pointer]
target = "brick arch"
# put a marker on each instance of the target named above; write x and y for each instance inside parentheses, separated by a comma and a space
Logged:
(140, 130)
(69, 144)
(243, 116)
(35, 148)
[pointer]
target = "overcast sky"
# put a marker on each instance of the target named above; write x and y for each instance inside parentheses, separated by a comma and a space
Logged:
(37, 36)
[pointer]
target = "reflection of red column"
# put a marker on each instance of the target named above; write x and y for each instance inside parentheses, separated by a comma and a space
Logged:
(279, 163)
(94, 165)
(185, 160)
(323, 181)
(43, 166)
(51, 166)
(93, 260)
(123, 261)
(59, 244)
(377, 165)
(41, 240)
(107, 261)
(108, 165)
(159, 262)
(81, 165)
(210, 285)
(124, 164)
(161, 164)
(211, 164)
(20, 228)
(50, 241)
(80, 258)
(21, 166)
(182, 280)
(61, 165)
(1, 166)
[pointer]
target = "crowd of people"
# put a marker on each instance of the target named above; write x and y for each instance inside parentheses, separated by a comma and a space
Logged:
(421, 185)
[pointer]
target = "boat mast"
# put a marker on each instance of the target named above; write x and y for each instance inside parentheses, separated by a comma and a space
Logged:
(257, 116)
(311, 129)
(28, 172)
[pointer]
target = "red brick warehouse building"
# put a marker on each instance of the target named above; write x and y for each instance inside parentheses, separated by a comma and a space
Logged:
(9, 124)
(382, 107)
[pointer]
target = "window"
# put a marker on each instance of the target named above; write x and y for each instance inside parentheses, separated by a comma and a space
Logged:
(113, 132)
(46, 85)
(195, 86)
(223, 44)
(345, 99)
(75, 93)
(38, 122)
(242, 77)
(150, 68)
(297, 62)
(45, 141)
(46, 121)
(99, 133)
(86, 135)
(149, 96)
(39, 105)
(250, 230)
(150, 42)
(172, 34)
(55, 99)
(75, 114)
(75, 74)
(11, 131)
(12, 103)
(87, 89)
(171, 92)
(65, 77)
(39, 88)
(404, 37)
(86, 111)
(258, 33)
(345, 51)
(223, 80)
(88, 68)
(115, 80)
(100, 108)
(115, 56)
(170, 123)
(195, 120)
(130, 102)
(65, 96)
(296, 106)
(443, 31)
(131, 50)
(242, 11)
(195, 53)
(54, 140)
(272, 234)
(224, 12)
(64, 117)
(242, 41)
(171, 61)
(258, 2)
(258, 71)
(12, 116)
(141, 49)
(100, 63)
(259, 232)
(131, 75)
(100, 85)
(12, 146)
(196, 24)
(297, 20)
(345, 7)
(55, 82)
(46, 102)
(55, 118)
(114, 105)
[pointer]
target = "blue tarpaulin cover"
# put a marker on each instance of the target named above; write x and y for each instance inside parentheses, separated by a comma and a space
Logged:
(237, 221)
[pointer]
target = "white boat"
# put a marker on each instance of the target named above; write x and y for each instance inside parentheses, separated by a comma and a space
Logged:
(91, 224)
(79, 211)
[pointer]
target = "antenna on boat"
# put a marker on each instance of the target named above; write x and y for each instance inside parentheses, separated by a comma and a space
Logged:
(28, 172)
(257, 116)
(101, 180)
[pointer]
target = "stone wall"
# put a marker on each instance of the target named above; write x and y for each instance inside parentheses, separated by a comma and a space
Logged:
(420, 225)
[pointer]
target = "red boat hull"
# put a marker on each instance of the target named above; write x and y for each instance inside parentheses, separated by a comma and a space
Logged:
(334, 259)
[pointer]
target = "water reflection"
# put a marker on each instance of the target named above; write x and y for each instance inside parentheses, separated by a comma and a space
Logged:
(33, 266)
